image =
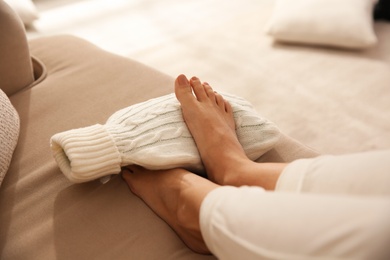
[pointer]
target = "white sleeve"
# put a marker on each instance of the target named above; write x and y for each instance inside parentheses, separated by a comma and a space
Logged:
(250, 223)
(353, 174)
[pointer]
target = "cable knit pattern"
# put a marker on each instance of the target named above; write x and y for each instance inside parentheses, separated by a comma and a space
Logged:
(154, 135)
(9, 133)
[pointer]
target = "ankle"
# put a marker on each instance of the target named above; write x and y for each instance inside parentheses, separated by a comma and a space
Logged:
(187, 221)
(249, 173)
(233, 173)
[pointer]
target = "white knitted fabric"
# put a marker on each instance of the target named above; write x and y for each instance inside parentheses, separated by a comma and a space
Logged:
(9, 133)
(151, 134)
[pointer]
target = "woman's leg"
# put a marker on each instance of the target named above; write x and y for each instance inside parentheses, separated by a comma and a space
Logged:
(210, 120)
(238, 222)
(363, 174)
(175, 196)
(250, 223)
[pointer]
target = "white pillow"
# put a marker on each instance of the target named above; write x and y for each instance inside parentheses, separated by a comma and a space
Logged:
(9, 133)
(338, 23)
(25, 9)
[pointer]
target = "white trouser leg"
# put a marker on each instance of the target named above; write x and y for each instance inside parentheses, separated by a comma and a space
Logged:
(250, 223)
(354, 174)
(346, 219)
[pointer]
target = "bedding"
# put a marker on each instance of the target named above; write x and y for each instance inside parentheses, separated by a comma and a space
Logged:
(16, 71)
(331, 99)
(9, 133)
(337, 23)
(25, 9)
(42, 214)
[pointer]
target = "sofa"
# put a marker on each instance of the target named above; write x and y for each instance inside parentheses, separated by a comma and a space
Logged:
(53, 84)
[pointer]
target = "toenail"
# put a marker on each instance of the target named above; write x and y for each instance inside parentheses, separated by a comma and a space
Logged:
(124, 172)
(183, 81)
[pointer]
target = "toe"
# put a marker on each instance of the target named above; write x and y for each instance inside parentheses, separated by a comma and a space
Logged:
(127, 176)
(228, 107)
(198, 88)
(220, 101)
(209, 91)
(183, 89)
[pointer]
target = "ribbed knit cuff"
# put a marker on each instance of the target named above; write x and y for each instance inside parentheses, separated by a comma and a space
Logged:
(86, 154)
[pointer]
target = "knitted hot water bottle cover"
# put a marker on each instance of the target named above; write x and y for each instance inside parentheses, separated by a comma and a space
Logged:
(154, 135)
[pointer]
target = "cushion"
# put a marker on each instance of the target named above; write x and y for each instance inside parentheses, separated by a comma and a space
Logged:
(9, 133)
(25, 9)
(337, 23)
(16, 70)
(151, 134)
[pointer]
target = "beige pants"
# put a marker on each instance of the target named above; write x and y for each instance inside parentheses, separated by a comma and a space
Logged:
(330, 207)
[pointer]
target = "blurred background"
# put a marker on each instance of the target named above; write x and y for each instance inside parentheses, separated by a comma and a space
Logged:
(224, 43)
(207, 38)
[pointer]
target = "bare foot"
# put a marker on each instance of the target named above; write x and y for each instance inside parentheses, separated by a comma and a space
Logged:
(174, 195)
(210, 120)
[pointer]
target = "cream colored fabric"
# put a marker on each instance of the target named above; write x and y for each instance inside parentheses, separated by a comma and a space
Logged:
(42, 214)
(25, 9)
(339, 23)
(16, 70)
(335, 101)
(9, 133)
(358, 174)
(337, 218)
(151, 134)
